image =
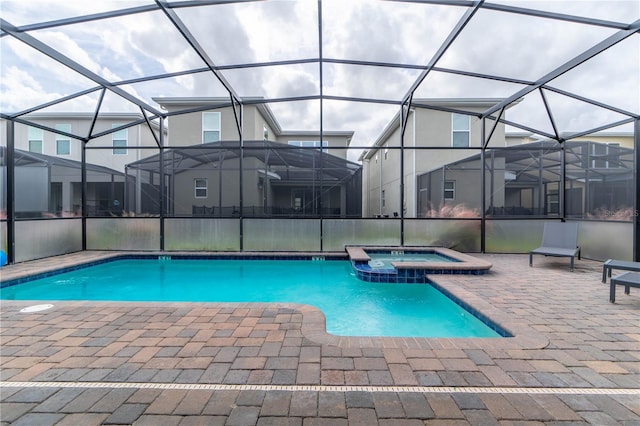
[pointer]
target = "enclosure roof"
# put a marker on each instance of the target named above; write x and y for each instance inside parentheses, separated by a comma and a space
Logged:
(285, 159)
(560, 67)
(26, 158)
(526, 159)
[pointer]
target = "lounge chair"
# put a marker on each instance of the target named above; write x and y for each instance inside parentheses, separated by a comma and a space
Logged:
(559, 239)
(625, 265)
(627, 279)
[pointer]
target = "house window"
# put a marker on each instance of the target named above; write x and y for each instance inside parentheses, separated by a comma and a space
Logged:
(449, 189)
(35, 140)
(460, 130)
(553, 202)
(210, 127)
(386, 153)
(311, 144)
(265, 133)
(63, 143)
(382, 198)
(119, 140)
(605, 155)
(200, 188)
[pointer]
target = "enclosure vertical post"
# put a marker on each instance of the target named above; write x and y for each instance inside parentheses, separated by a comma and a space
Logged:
(320, 75)
(483, 188)
(11, 199)
(562, 184)
(543, 188)
(404, 117)
(162, 189)
(241, 174)
(83, 193)
(636, 200)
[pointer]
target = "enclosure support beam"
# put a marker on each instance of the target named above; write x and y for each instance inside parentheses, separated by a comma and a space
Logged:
(405, 110)
(483, 166)
(636, 201)
(83, 193)
(455, 32)
(493, 129)
(550, 115)
(11, 199)
(569, 65)
(73, 65)
(162, 186)
(562, 209)
(198, 49)
(321, 88)
(240, 176)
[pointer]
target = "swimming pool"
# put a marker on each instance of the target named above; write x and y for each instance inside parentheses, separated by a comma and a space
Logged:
(352, 307)
(411, 265)
(385, 260)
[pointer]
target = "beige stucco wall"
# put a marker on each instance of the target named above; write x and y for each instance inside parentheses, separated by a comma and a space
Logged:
(425, 128)
(138, 135)
(186, 129)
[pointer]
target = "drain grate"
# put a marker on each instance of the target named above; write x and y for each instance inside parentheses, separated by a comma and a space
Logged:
(322, 388)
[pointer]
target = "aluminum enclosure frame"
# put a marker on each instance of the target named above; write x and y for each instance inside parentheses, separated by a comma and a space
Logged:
(494, 114)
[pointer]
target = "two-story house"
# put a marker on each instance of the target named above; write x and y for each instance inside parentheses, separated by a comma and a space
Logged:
(272, 172)
(429, 138)
(48, 171)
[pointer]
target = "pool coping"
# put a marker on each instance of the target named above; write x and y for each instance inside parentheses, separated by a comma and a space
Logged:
(313, 320)
(464, 262)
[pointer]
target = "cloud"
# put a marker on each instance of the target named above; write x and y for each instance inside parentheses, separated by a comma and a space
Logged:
(20, 90)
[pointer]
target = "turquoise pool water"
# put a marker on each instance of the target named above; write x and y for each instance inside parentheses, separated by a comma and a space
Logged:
(384, 260)
(352, 307)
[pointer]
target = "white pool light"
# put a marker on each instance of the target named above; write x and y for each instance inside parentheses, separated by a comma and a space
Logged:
(36, 308)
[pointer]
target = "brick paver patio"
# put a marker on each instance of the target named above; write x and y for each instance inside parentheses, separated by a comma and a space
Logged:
(575, 359)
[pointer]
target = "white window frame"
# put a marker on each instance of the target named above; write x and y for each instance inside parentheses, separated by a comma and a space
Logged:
(265, 132)
(311, 144)
(119, 148)
(197, 186)
(217, 124)
(608, 148)
(450, 191)
(62, 138)
(35, 135)
(455, 130)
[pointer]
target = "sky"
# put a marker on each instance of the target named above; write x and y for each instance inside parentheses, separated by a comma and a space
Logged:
(507, 45)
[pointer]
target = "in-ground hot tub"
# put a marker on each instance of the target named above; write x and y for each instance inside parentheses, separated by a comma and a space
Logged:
(411, 264)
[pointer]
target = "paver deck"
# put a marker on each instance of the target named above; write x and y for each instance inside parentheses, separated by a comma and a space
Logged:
(575, 359)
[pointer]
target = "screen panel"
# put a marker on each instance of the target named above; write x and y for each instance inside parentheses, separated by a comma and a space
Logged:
(337, 233)
(281, 234)
(123, 234)
(36, 239)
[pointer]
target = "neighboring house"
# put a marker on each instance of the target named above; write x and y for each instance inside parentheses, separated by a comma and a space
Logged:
(522, 175)
(434, 130)
(48, 172)
(525, 179)
(284, 173)
(49, 186)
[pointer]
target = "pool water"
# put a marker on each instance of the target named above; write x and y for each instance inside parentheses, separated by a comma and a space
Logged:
(384, 260)
(352, 307)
